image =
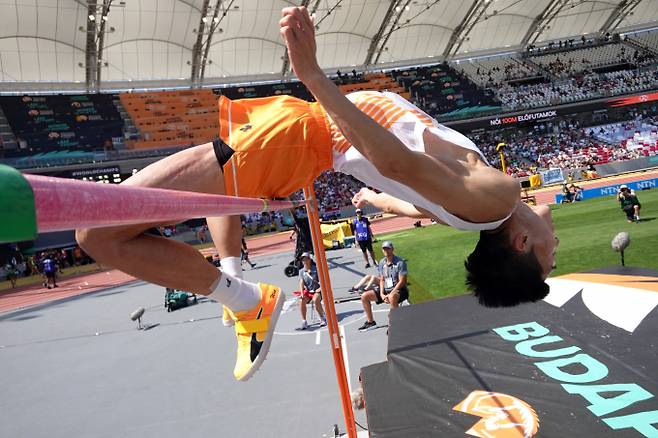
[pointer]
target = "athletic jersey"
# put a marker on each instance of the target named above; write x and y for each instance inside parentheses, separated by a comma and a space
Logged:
(310, 279)
(48, 265)
(407, 123)
(361, 230)
(391, 272)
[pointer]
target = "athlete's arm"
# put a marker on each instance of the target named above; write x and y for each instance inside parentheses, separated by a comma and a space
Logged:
(386, 203)
(378, 145)
(494, 194)
(393, 205)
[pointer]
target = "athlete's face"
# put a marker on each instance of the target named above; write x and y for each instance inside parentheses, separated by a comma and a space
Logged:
(544, 241)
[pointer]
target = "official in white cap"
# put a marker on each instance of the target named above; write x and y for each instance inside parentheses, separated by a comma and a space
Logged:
(309, 287)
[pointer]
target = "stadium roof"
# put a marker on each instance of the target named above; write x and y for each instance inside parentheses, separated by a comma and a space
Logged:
(154, 40)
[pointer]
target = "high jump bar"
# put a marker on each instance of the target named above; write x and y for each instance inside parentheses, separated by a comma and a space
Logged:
(34, 204)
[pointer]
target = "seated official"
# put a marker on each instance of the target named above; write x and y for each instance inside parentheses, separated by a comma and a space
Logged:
(309, 287)
(392, 285)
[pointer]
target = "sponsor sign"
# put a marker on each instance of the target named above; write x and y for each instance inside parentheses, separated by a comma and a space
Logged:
(541, 115)
(551, 176)
(633, 100)
(580, 374)
(503, 416)
(94, 172)
(613, 189)
(562, 110)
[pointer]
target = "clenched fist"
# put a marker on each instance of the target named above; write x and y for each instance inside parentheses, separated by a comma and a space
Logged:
(298, 32)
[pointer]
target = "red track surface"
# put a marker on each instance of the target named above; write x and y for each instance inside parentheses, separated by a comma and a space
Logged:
(272, 244)
(68, 287)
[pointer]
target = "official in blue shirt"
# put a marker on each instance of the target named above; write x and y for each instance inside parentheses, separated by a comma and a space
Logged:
(363, 234)
(50, 271)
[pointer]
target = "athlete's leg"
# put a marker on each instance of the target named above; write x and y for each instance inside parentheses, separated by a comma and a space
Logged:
(317, 300)
(302, 307)
(367, 298)
(226, 232)
(372, 253)
(156, 259)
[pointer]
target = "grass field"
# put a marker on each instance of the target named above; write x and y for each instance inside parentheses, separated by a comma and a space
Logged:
(435, 254)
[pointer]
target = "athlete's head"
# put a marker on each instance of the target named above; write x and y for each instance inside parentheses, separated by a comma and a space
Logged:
(509, 264)
(307, 260)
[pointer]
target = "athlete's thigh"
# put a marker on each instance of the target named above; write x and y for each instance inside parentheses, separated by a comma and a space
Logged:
(195, 169)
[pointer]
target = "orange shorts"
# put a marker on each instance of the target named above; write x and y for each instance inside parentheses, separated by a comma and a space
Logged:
(280, 143)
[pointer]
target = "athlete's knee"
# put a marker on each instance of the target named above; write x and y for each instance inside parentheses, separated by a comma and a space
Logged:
(86, 238)
(367, 297)
(97, 242)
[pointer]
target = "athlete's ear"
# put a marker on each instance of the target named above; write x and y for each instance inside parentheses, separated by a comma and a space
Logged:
(520, 241)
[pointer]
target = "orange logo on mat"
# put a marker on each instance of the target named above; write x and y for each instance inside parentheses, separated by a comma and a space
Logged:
(503, 416)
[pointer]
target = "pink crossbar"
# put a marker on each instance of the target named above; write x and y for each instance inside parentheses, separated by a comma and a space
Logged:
(66, 204)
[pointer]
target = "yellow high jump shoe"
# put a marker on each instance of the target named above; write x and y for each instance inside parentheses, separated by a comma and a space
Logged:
(254, 330)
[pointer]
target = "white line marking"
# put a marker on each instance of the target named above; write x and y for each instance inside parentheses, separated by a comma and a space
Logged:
(346, 358)
(317, 337)
(303, 333)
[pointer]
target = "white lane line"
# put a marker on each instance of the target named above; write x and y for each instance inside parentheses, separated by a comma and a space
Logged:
(350, 322)
(317, 337)
(346, 358)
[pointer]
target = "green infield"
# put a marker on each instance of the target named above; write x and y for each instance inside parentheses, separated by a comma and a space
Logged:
(435, 254)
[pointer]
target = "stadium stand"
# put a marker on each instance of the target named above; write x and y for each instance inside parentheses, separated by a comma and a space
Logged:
(444, 92)
(296, 89)
(646, 40)
(566, 64)
(635, 135)
(172, 118)
(82, 128)
(584, 87)
(567, 145)
(7, 138)
(59, 124)
(492, 72)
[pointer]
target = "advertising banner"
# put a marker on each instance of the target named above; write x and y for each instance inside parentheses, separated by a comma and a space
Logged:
(515, 118)
(613, 189)
(551, 176)
(334, 233)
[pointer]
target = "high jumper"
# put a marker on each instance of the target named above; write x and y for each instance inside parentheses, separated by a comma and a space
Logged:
(271, 147)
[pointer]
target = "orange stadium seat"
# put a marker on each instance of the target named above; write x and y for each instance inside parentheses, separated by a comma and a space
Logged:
(173, 118)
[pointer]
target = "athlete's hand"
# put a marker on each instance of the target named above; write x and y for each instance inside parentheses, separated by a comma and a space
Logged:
(298, 32)
(362, 198)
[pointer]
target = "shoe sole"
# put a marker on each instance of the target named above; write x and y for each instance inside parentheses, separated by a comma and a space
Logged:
(227, 323)
(265, 348)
